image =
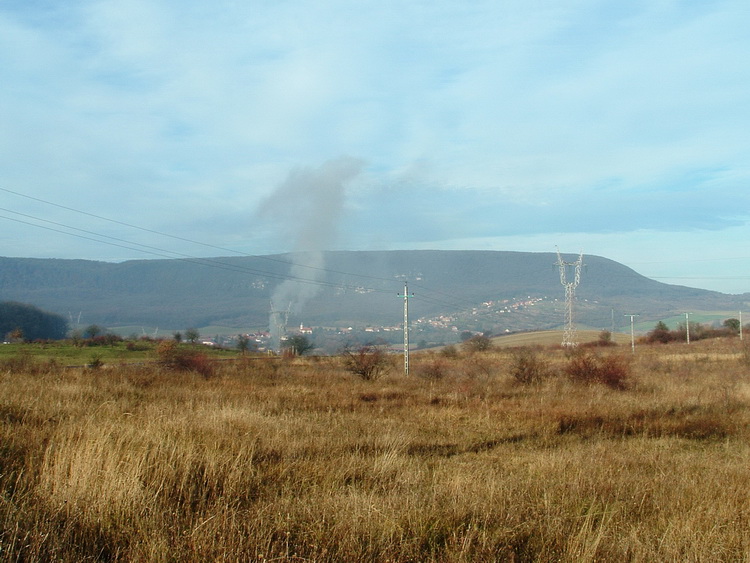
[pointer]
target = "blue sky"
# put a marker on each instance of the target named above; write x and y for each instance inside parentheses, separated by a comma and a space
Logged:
(620, 129)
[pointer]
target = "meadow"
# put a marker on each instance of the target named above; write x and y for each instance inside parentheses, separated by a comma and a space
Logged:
(510, 454)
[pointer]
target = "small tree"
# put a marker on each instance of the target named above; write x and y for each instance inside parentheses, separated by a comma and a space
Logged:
(478, 343)
(298, 344)
(192, 335)
(243, 343)
(660, 333)
(177, 337)
(16, 335)
(366, 362)
(92, 331)
(732, 325)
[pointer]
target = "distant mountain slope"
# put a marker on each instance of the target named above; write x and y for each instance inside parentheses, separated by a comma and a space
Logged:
(357, 288)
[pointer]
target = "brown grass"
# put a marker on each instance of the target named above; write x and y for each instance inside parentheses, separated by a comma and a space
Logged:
(299, 460)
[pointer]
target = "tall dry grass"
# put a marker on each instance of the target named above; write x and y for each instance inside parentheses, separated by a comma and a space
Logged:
(300, 460)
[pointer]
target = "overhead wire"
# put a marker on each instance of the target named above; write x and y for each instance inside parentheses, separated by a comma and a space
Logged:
(427, 294)
(163, 253)
(191, 241)
(452, 302)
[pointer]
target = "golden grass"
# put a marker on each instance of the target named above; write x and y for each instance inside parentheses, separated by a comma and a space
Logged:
(301, 461)
(554, 338)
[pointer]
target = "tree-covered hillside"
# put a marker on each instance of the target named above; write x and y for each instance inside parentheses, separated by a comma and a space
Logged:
(22, 321)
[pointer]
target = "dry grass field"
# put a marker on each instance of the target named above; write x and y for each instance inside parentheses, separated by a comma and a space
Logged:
(465, 460)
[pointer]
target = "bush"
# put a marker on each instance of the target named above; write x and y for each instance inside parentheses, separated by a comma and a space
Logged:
(660, 333)
(611, 370)
(478, 343)
(434, 369)
(527, 368)
(179, 359)
(449, 351)
(96, 362)
(24, 362)
(366, 362)
(187, 360)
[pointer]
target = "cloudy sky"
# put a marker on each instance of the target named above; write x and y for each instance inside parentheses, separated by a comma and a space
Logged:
(152, 128)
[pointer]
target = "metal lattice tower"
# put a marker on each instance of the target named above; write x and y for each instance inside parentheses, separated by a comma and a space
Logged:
(569, 335)
(279, 321)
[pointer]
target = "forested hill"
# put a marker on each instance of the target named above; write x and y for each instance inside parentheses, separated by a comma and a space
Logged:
(336, 288)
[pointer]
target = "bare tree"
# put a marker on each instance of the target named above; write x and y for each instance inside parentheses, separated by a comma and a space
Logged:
(367, 362)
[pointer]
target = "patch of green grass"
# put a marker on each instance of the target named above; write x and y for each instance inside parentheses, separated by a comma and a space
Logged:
(67, 353)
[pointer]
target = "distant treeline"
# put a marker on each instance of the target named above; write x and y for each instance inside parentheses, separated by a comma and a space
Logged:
(27, 322)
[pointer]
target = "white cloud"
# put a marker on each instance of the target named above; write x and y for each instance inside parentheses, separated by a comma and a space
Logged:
(476, 118)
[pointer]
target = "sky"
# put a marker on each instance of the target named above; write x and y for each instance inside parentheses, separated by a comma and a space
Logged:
(135, 129)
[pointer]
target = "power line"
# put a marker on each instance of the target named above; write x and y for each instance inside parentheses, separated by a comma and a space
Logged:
(163, 253)
(453, 301)
(183, 239)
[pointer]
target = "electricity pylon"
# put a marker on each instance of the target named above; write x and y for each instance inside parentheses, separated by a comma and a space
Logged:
(279, 321)
(569, 335)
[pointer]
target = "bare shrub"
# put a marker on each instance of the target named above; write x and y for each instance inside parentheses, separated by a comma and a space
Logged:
(611, 370)
(366, 362)
(172, 356)
(188, 360)
(479, 366)
(478, 343)
(24, 362)
(604, 341)
(528, 368)
(433, 369)
(449, 351)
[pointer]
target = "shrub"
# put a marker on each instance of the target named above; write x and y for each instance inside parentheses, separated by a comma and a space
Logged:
(611, 370)
(660, 333)
(179, 359)
(188, 360)
(527, 368)
(366, 362)
(433, 369)
(478, 343)
(21, 362)
(96, 362)
(166, 349)
(449, 351)
(24, 362)
(136, 346)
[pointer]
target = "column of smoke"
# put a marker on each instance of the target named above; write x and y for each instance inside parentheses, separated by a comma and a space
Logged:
(306, 209)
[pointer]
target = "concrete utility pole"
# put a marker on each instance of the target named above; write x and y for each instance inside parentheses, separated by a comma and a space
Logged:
(687, 327)
(406, 296)
(569, 336)
(632, 333)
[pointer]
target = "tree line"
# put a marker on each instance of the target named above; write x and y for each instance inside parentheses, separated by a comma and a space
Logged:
(662, 333)
(20, 321)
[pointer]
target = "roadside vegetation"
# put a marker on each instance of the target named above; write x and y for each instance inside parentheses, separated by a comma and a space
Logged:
(487, 454)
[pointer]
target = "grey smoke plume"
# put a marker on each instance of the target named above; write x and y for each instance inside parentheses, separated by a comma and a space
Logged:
(306, 209)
